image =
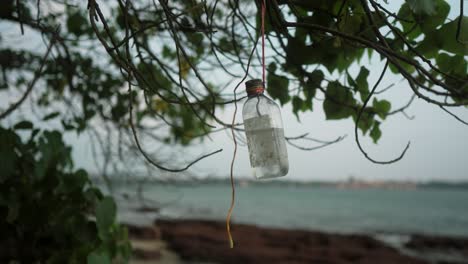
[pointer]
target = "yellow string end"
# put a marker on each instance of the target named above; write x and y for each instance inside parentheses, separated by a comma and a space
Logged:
(228, 224)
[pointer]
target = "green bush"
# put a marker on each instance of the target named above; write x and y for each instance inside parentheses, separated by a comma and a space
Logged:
(49, 212)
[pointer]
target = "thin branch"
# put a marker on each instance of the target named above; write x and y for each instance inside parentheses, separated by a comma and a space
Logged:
(37, 74)
(459, 24)
(324, 143)
(148, 158)
(356, 134)
(455, 116)
(18, 10)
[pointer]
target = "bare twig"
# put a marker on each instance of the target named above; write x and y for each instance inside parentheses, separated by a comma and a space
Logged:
(356, 134)
(148, 158)
(455, 116)
(37, 74)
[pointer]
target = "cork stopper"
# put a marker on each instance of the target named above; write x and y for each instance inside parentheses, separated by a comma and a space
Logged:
(254, 87)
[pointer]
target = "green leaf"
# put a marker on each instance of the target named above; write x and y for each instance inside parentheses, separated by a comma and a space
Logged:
(298, 105)
(361, 83)
(422, 6)
(77, 23)
(338, 102)
(456, 64)
(315, 78)
(444, 38)
(381, 107)
(277, 85)
(410, 28)
(351, 24)
(430, 22)
(98, 258)
(366, 121)
(23, 125)
(313, 82)
(375, 132)
(51, 116)
(105, 215)
(13, 211)
(8, 156)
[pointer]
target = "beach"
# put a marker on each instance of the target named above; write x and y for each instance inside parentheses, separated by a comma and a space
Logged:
(203, 241)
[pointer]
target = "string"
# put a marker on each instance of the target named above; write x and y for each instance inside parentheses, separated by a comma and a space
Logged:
(263, 42)
(233, 190)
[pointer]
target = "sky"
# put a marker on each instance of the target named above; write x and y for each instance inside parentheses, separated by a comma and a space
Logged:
(438, 151)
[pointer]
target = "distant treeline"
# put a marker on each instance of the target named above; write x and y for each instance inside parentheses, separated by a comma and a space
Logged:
(192, 181)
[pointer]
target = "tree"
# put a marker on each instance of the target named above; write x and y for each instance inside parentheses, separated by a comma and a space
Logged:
(131, 71)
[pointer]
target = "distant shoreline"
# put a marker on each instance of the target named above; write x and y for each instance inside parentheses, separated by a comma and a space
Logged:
(348, 184)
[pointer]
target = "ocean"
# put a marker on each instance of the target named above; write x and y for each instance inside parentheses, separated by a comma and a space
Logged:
(431, 211)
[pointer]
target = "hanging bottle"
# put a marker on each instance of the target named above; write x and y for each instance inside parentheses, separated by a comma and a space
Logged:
(264, 132)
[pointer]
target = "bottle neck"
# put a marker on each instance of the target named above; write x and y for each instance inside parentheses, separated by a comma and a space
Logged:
(255, 91)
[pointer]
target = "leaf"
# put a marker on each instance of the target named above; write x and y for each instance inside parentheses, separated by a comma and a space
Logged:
(361, 83)
(313, 82)
(315, 79)
(8, 155)
(375, 132)
(381, 107)
(422, 6)
(105, 215)
(430, 22)
(277, 85)
(77, 23)
(167, 53)
(351, 24)
(51, 116)
(456, 64)
(445, 38)
(98, 258)
(338, 102)
(366, 121)
(408, 22)
(23, 125)
(184, 68)
(53, 149)
(298, 105)
(13, 211)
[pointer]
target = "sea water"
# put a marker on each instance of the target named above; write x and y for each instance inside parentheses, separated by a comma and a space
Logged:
(426, 210)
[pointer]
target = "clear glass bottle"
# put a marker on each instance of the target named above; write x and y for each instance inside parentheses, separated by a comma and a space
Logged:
(264, 132)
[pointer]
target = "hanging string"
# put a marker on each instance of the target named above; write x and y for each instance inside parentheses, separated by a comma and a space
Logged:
(233, 190)
(263, 43)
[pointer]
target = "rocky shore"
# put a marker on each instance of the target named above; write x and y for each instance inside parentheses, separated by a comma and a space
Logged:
(198, 241)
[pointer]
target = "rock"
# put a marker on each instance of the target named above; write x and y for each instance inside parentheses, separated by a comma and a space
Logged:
(206, 241)
(143, 232)
(146, 254)
(420, 242)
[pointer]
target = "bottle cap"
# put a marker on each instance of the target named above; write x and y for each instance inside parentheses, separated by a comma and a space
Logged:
(254, 87)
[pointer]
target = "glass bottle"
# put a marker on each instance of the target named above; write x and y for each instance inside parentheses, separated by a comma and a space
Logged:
(264, 132)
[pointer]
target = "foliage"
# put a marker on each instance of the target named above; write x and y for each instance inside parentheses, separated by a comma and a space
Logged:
(46, 206)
